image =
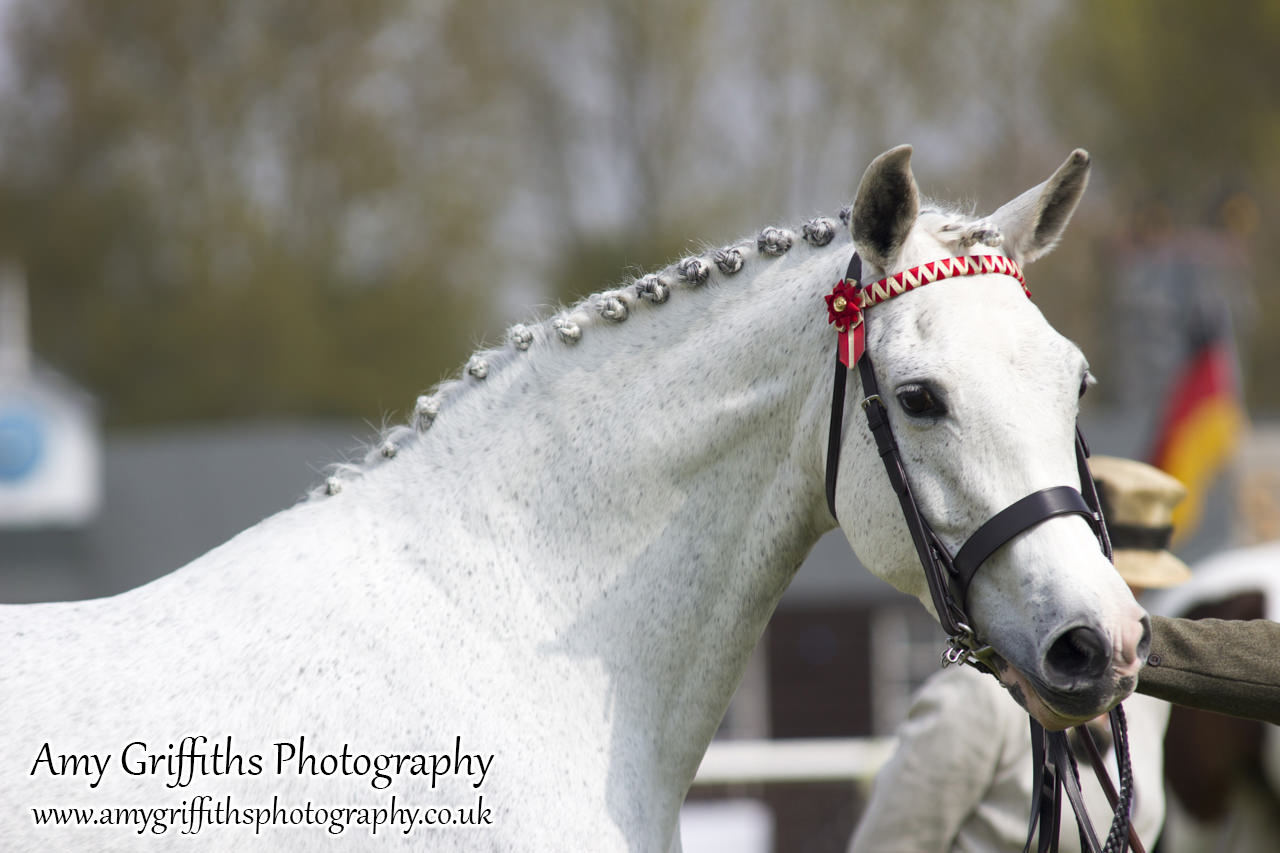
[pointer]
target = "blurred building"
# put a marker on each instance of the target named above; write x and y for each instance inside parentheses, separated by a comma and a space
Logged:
(167, 496)
(49, 447)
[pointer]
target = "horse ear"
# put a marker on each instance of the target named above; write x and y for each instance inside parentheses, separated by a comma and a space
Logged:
(1033, 222)
(885, 208)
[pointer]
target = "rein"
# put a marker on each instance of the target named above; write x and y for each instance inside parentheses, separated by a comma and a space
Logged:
(949, 576)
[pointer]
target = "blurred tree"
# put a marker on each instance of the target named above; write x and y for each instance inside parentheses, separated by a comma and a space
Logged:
(1178, 102)
(1178, 91)
(654, 123)
(240, 207)
(276, 207)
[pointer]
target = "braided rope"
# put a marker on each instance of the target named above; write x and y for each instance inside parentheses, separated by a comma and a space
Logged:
(1118, 837)
(896, 285)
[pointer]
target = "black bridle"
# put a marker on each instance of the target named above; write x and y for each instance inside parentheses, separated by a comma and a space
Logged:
(949, 578)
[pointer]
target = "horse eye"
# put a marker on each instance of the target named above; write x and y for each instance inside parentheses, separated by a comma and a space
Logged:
(1085, 382)
(919, 401)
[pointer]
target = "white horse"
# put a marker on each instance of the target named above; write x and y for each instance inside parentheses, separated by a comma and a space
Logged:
(533, 604)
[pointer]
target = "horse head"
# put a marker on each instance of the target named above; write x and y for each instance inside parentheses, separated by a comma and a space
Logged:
(982, 397)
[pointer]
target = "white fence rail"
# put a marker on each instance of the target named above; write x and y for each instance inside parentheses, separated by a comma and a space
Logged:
(729, 762)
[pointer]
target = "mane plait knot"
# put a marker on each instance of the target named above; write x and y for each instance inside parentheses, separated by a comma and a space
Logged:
(425, 409)
(477, 367)
(613, 306)
(653, 289)
(729, 260)
(775, 241)
(569, 331)
(694, 270)
(819, 232)
(521, 336)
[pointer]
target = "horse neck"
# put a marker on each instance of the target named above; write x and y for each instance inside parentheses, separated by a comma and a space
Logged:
(656, 484)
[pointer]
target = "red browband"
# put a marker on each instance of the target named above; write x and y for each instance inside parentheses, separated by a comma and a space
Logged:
(848, 299)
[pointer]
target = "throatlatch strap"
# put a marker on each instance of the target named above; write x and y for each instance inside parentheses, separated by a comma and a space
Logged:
(1089, 489)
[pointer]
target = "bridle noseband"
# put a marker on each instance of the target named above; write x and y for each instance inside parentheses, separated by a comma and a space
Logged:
(949, 576)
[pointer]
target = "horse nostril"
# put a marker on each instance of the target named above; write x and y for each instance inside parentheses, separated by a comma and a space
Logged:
(1144, 643)
(1078, 654)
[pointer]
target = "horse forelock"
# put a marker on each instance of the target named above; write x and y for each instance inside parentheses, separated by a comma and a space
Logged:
(951, 226)
(958, 227)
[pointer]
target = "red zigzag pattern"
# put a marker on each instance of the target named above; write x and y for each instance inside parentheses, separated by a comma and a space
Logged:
(896, 285)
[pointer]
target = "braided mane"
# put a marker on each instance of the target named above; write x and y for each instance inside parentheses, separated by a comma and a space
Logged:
(612, 307)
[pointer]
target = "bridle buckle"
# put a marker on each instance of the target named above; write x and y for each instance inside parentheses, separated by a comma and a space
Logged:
(963, 648)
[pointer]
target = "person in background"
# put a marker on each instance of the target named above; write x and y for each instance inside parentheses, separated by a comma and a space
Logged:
(1222, 773)
(1227, 666)
(960, 778)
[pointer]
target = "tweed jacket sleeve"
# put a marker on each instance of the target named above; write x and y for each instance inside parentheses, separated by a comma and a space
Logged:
(1229, 666)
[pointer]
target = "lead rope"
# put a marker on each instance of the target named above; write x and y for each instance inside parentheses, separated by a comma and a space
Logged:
(1124, 769)
(1123, 803)
(1055, 767)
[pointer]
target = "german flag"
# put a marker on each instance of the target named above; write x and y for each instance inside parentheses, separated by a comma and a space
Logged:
(1199, 428)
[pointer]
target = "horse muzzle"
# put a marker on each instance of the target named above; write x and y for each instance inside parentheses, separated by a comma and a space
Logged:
(1081, 672)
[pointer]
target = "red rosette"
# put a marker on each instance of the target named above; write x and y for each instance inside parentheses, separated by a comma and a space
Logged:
(844, 305)
(844, 310)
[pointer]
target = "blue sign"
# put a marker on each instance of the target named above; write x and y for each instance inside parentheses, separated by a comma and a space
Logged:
(21, 444)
